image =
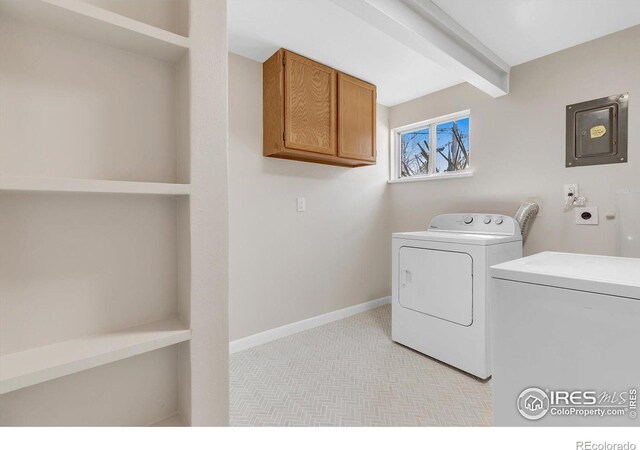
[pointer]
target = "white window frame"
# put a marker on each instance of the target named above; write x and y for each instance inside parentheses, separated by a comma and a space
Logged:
(394, 148)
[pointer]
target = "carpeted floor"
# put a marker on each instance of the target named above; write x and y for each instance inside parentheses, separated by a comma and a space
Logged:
(350, 373)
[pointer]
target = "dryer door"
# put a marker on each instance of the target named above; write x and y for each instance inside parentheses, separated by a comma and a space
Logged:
(438, 283)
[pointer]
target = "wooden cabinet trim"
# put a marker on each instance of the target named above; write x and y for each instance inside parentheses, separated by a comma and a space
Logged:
(273, 104)
(304, 156)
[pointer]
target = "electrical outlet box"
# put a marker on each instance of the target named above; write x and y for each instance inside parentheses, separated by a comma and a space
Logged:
(571, 188)
(302, 204)
(597, 131)
(587, 215)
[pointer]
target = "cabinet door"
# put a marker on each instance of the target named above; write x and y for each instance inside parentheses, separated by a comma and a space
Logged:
(309, 105)
(356, 118)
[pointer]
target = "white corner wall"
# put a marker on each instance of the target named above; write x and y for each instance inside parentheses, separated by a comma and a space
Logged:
(207, 375)
(518, 146)
(287, 266)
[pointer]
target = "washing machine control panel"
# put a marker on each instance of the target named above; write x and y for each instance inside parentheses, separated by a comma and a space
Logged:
(475, 223)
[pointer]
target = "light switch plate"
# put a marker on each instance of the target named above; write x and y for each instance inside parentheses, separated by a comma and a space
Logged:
(587, 215)
(301, 204)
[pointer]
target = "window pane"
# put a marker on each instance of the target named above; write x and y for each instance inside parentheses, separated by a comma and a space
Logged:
(453, 146)
(414, 153)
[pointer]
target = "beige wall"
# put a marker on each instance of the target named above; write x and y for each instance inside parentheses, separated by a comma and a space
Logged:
(287, 266)
(518, 146)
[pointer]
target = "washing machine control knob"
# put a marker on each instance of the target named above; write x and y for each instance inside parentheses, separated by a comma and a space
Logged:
(487, 220)
(499, 221)
(468, 219)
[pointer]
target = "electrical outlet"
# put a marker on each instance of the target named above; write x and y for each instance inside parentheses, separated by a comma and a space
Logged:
(302, 206)
(587, 215)
(571, 188)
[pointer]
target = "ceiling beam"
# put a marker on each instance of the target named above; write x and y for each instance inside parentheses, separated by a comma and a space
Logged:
(422, 26)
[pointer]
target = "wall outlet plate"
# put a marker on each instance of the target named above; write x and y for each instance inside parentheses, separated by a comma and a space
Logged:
(571, 188)
(587, 215)
(301, 204)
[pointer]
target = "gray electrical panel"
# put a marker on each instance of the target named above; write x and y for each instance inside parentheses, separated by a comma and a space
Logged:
(597, 131)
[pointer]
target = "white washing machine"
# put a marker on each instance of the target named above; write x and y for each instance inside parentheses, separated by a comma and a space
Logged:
(565, 329)
(441, 285)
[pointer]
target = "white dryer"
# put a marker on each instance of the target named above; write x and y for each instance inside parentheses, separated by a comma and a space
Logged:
(441, 285)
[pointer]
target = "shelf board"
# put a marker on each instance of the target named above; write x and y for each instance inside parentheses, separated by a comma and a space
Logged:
(45, 184)
(22, 369)
(97, 24)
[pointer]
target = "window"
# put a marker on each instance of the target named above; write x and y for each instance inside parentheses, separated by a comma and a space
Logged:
(431, 148)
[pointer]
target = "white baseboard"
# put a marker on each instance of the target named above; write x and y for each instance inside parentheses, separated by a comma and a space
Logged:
(297, 327)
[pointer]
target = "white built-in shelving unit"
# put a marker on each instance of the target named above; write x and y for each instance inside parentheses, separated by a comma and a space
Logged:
(87, 21)
(48, 362)
(113, 213)
(51, 184)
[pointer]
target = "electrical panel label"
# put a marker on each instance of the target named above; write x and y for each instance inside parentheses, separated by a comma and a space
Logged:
(598, 131)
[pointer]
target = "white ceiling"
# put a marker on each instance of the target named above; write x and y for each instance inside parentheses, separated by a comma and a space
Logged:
(515, 30)
(328, 34)
(521, 30)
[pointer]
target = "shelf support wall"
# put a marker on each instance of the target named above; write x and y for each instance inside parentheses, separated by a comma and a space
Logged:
(204, 373)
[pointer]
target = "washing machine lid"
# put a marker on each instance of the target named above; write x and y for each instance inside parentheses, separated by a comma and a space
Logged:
(609, 275)
(470, 228)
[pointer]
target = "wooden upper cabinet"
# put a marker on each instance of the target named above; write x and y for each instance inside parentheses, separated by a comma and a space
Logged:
(309, 105)
(313, 113)
(356, 118)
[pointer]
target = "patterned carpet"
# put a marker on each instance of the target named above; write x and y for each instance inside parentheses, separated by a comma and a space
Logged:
(350, 373)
